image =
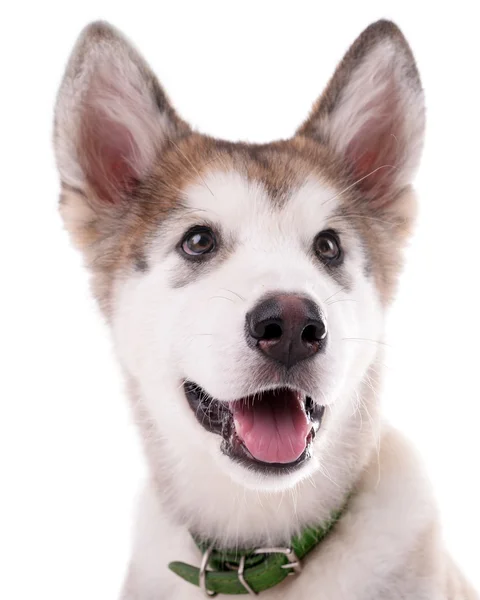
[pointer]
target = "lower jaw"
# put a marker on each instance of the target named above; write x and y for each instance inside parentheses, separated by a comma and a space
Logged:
(245, 459)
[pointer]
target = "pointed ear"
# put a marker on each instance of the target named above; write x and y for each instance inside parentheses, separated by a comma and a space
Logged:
(112, 117)
(372, 112)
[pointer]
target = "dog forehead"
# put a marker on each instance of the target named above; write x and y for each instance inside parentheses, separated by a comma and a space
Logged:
(239, 202)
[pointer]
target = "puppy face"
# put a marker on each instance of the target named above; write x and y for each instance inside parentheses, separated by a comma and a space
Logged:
(245, 285)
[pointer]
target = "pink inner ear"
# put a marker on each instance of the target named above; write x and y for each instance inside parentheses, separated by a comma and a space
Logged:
(108, 156)
(377, 146)
(117, 132)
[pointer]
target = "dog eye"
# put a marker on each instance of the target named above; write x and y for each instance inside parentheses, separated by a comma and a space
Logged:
(198, 241)
(327, 247)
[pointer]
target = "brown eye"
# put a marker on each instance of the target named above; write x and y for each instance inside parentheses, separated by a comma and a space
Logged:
(327, 247)
(199, 241)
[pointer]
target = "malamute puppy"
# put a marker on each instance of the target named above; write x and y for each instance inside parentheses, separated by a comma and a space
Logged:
(246, 288)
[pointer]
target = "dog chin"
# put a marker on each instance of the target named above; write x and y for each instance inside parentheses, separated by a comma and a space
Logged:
(258, 481)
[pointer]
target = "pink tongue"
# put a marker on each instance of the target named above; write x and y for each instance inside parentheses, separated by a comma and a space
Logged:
(274, 427)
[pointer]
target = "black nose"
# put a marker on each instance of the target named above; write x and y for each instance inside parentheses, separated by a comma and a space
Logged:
(287, 328)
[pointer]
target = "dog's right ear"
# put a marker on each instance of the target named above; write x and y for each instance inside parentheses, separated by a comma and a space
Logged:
(112, 118)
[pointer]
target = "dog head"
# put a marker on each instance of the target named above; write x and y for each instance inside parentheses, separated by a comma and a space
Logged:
(245, 285)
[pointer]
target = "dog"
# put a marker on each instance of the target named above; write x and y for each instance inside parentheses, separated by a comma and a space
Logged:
(246, 288)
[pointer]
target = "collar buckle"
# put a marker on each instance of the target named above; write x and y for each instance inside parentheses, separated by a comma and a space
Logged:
(241, 577)
(294, 562)
(203, 570)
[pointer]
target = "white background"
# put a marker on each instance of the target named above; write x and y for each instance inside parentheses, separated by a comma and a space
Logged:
(70, 460)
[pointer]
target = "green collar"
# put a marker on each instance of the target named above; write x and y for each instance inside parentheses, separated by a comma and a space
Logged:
(251, 571)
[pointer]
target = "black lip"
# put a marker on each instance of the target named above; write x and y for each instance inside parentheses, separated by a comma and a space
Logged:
(216, 417)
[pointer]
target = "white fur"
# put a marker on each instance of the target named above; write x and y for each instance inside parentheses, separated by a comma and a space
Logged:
(195, 486)
(387, 544)
(358, 561)
(166, 335)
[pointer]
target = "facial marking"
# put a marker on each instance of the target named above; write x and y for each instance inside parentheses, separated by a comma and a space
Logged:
(187, 317)
(140, 263)
(249, 216)
(177, 320)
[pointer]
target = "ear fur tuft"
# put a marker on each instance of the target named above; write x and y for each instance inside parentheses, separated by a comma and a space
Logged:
(372, 112)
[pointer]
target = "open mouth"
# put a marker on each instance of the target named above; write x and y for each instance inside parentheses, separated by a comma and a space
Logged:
(272, 430)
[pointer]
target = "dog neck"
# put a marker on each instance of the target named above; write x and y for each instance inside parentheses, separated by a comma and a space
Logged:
(202, 497)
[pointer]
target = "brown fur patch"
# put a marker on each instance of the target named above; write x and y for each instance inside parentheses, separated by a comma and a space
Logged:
(384, 222)
(113, 238)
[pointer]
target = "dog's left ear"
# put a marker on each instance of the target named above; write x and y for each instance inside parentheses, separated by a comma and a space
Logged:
(372, 113)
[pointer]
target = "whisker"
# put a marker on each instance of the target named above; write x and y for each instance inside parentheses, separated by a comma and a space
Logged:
(375, 431)
(366, 340)
(222, 297)
(193, 167)
(323, 470)
(341, 300)
(357, 181)
(187, 211)
(359, 216)
(330, 297)
(234, 293)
